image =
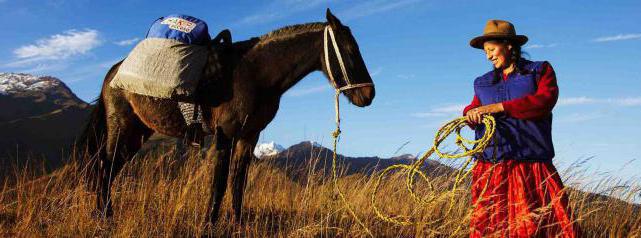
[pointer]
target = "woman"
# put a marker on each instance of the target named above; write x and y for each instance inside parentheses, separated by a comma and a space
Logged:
(516, 191)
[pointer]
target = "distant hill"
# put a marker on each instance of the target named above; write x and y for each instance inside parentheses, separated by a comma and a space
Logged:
(298, 159)
(40, 117)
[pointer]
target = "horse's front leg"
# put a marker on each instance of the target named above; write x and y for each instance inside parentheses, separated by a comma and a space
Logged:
(243, 154)
(219, 152)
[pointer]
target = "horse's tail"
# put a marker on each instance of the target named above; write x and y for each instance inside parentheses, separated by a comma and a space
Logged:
(90, 145)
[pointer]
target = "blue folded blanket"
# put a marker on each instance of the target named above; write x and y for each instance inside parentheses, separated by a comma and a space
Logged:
(183, 28)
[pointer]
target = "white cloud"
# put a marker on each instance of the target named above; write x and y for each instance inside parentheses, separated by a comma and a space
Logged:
(450, 108)
(376, 71)
(39, 68)
(539, 46)
(373, 7)
(307, 91)
(406, 76)
(575, 101)
(127, 42)
(618, 37)
(57, 47)
(445, 110)
(453, 110)
(580, 117)
(629, 101)
(624, 101)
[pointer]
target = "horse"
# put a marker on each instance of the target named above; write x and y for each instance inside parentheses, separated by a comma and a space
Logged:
(235, 109)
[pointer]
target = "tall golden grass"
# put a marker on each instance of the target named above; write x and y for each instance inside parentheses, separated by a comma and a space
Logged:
(160, 195)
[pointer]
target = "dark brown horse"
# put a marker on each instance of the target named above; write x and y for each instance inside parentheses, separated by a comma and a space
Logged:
(236, 109)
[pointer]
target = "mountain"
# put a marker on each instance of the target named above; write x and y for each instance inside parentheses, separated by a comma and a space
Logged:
(40, 117)
(298, 159)
(267, 149)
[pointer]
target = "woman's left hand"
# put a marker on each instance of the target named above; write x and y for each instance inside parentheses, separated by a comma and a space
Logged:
(475, 115)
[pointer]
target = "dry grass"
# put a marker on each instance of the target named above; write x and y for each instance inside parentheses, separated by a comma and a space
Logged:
(160, 196)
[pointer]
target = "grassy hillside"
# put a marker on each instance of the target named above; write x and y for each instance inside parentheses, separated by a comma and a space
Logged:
(159, 195)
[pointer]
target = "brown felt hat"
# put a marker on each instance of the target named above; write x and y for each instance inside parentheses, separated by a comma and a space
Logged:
(498, 29)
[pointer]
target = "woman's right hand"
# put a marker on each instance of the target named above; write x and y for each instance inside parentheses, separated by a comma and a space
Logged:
(473, 116)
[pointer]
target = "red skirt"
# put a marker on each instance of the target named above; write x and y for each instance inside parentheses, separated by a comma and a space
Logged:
(519, 199)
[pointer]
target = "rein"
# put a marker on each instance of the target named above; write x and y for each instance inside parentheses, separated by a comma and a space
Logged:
(327, 36)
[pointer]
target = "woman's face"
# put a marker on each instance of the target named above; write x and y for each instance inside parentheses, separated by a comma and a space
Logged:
(498, 53)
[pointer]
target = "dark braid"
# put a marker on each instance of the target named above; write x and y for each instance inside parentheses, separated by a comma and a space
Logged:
(515, 55)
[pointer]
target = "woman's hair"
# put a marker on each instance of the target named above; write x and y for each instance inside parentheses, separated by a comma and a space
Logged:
(516, 54)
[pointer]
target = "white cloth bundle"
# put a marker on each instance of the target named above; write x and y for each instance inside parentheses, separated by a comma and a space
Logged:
(163, 68)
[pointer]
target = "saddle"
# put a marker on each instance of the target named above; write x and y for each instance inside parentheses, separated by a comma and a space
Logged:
(177, 60)
(217, 69)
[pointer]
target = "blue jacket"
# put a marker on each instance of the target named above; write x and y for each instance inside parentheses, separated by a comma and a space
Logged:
(515, 139)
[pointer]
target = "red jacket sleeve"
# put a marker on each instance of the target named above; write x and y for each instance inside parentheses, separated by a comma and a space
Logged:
(474, 104)
(538, 104)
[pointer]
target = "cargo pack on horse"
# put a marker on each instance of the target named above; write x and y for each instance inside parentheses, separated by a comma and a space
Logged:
(235, 108)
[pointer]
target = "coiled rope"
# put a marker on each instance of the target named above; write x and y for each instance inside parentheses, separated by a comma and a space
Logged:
(453, 126)
(413, 170)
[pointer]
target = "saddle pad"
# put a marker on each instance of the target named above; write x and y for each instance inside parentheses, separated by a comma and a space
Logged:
(169, 62)
(163, 68)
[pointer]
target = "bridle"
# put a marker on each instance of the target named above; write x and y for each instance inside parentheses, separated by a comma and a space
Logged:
(327, 36)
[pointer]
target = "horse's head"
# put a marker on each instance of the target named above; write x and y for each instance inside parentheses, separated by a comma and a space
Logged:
(343, 64)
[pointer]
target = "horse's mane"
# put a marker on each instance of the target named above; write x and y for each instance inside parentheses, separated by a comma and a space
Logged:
(284, 33)
(291, 31)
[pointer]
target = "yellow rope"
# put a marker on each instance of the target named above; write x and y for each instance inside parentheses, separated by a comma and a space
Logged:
(412, 170)
(341, 195)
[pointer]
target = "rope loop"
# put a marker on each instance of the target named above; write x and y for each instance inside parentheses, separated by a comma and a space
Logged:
(414, 170)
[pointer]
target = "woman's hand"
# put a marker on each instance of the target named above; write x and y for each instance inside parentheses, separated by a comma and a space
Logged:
(475, 115)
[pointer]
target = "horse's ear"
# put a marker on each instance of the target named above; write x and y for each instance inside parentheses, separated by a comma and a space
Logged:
(332, 20)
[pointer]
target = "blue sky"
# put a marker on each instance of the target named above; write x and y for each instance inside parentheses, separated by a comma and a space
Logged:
(417, 52)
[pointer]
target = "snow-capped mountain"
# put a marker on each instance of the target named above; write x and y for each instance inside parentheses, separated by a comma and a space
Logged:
(38, 116)
(25, 95)
(267, 149)
(315, 144)
(298, 159)
(406, 157)
(11, 83)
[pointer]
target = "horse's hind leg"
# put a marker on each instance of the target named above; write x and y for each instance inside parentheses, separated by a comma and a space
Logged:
(126, 134)
(243, 153)
(220, 153)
